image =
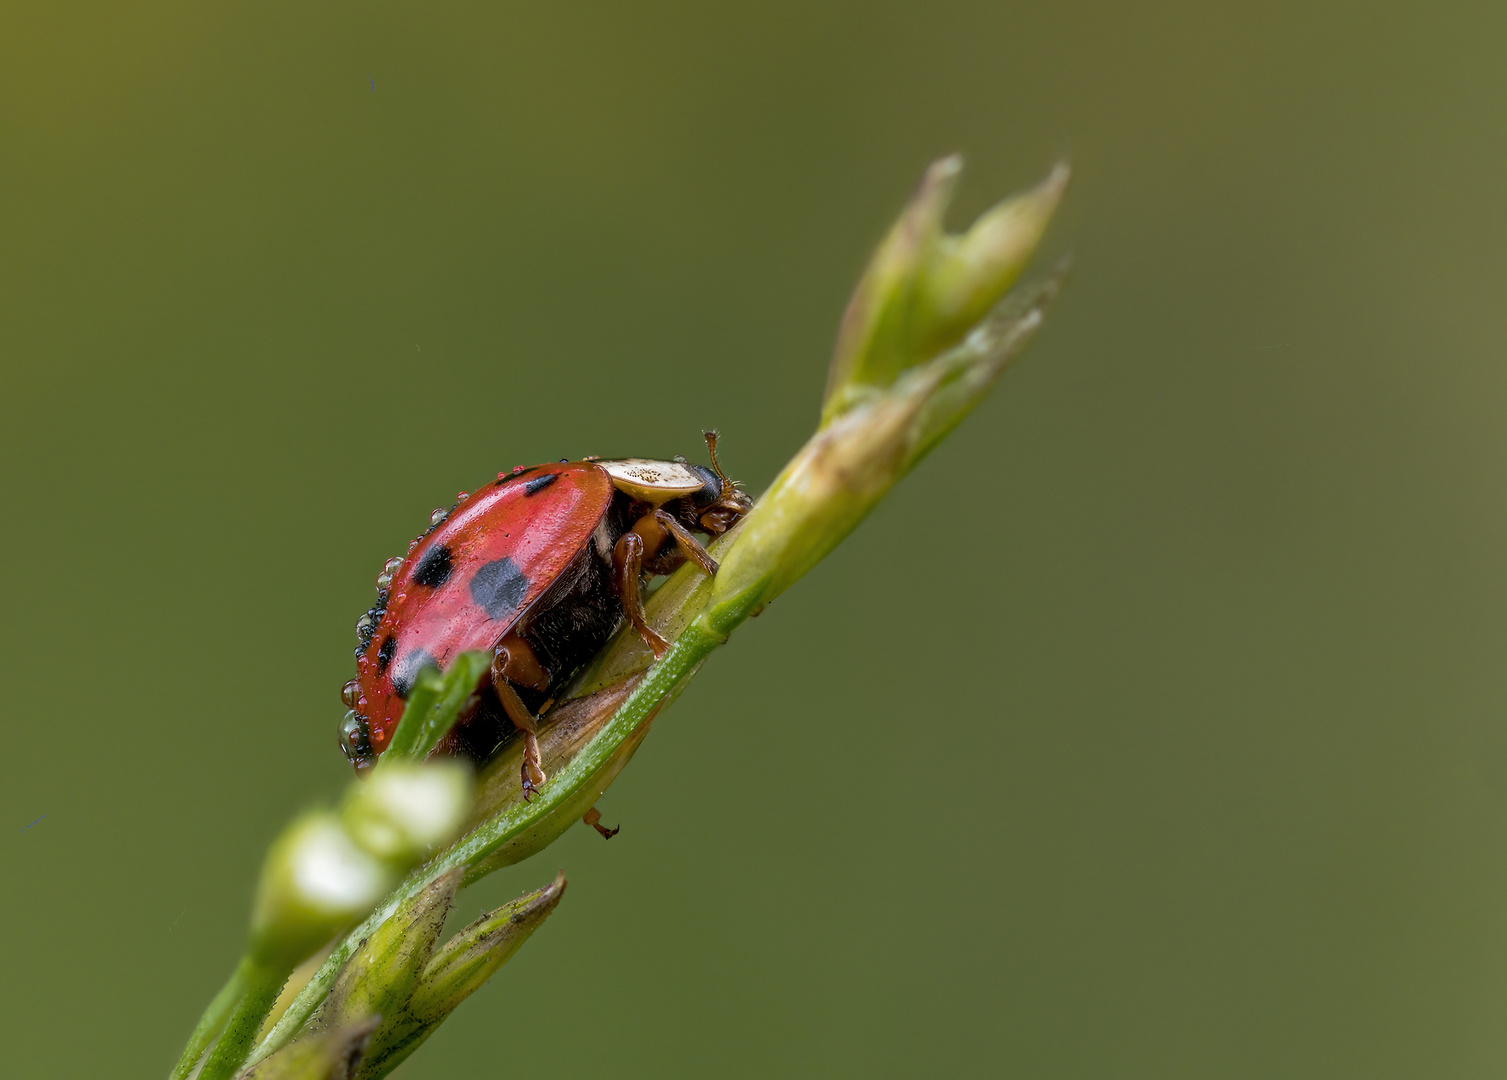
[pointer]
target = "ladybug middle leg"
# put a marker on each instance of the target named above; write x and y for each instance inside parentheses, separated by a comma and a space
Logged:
(514, 662)
(640, 546)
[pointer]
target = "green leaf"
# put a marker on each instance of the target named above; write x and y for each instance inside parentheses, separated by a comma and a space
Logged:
(433, 706)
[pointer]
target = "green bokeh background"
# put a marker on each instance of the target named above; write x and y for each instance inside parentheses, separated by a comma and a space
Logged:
(1155, 727)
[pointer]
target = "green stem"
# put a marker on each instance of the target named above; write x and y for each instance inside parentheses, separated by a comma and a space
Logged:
(210, 1023)
(692, 647)
(261, 986)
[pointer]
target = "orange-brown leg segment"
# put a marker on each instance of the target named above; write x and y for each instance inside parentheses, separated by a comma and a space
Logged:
(512, 658)
(641, 544)
(627, 568)
(593, 817)
(687, 543)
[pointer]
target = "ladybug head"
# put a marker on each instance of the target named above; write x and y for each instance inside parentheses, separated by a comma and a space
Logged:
(719, 504)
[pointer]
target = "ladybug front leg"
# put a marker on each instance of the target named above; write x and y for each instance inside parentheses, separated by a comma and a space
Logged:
(514, 662)
(641, 545)
(688, 544)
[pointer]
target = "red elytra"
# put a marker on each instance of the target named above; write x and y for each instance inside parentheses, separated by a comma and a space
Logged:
(539, 567)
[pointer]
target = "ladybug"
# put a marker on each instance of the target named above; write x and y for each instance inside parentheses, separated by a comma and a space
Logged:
(539, 568)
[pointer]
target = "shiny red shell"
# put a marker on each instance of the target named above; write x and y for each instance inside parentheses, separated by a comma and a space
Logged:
(474, 577)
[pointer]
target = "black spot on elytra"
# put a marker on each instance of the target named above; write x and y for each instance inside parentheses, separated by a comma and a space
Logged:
(538, 484)
(385, 653)
(406, 670)
(434, 568)
(499, 587)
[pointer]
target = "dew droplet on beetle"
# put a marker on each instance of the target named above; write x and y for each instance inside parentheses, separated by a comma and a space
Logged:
(365, 625)
(350, 734)
(348, 693)
(384, 579)
(439, 515)
(462, 496)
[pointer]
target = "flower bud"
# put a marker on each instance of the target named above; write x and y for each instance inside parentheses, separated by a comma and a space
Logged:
(404, 811)
(858, 454)
(315, 881)
(329, 1055)
(456, 971)
(379, 977)
(924, 289)
(969, 273)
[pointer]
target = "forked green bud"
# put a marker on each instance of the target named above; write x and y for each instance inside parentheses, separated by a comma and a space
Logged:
(404, 811)
(460, 967)
(316, 880)
(330, 1055)
(849, 464)
(455, 972)
(925, 288)
(379, 977)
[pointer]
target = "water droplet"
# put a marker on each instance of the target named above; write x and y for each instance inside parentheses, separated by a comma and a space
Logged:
(366, 625)
(439, 515)
(352, 736)
(392, 564)
(384, 579)
(462, 496)
(349, 693)
(400, 598)
(518, 468)
(413, 544)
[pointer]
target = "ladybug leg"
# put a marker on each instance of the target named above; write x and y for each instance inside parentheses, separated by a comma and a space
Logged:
(641, 545)
(593, 817)
(511, 661)
(627, 569)
(687, 543)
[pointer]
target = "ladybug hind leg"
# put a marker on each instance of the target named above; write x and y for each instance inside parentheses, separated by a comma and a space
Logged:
(514, 662)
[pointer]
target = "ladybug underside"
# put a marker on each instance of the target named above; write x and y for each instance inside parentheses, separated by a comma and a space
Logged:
(539, 567)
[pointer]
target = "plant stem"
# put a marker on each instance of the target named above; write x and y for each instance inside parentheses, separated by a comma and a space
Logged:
(260, 989)
(211, 1022)
(685, 655)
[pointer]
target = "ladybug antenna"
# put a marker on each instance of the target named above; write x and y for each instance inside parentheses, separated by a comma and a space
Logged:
(728, 487)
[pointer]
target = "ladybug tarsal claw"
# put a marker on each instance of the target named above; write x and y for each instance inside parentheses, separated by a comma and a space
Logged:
(593, 817)
(532, 770)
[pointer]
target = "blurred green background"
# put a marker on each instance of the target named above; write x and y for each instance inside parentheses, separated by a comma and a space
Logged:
(1156, 727)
